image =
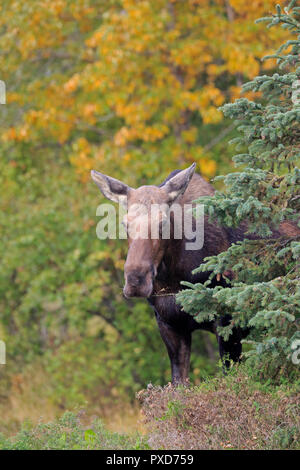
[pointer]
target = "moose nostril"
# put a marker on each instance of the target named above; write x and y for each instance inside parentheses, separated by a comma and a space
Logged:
(134, 280)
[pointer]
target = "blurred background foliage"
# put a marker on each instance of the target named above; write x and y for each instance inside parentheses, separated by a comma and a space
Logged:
(131, 89)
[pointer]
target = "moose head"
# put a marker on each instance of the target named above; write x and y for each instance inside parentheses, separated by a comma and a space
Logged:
(145, 251)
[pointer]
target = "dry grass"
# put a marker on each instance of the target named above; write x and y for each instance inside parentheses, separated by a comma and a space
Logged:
(226, 413)
(25, 399)
(28, 397)
(223, 413)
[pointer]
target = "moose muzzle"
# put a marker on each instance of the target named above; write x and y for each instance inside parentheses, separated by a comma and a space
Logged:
(138, 282)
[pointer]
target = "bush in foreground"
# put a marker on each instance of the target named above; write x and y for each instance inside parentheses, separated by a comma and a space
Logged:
(230, 412)
(69, 433)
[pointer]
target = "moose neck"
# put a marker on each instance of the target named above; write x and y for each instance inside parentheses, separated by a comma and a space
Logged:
(170, 268)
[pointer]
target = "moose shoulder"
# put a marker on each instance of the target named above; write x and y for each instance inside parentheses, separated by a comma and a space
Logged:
(156, 265)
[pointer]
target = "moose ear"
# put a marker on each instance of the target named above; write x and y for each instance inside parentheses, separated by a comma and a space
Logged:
(112, 189)
(176, 185)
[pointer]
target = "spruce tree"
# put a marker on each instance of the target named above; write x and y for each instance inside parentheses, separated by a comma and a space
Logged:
(264, 293)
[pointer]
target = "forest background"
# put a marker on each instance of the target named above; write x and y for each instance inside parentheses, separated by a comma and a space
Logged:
(131, 89)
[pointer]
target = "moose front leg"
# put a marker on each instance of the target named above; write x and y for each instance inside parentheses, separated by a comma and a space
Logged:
(179, 349)
(231, 349)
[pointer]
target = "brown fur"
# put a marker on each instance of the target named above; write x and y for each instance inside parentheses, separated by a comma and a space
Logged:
(154, 268)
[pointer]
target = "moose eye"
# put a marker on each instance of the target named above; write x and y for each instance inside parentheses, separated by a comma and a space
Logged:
(162, 225)
(160, 230)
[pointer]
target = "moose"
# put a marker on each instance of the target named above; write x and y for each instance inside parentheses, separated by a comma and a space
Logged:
(155, 267)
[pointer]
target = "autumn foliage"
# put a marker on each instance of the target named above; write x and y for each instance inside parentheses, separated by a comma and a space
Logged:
(121, 84)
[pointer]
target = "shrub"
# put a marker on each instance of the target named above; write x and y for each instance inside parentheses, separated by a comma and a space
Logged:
(67, 433)
(232, 412)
